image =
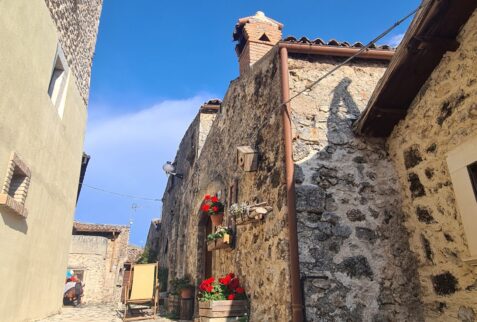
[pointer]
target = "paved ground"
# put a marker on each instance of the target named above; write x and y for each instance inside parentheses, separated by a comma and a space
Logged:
(96, 313)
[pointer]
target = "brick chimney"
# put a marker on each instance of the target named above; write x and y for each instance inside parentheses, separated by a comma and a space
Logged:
(255, 35)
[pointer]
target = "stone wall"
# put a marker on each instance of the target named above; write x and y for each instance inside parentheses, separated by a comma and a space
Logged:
(102, 258)
(354, 256)
(88, 253)
(442, 116)
(260, 258)
(152, 241)
(77, 22)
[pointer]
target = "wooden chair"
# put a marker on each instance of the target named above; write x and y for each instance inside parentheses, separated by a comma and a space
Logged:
(142, 292)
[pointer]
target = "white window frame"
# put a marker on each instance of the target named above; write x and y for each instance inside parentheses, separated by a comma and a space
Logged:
(59, 80)
(458, 161)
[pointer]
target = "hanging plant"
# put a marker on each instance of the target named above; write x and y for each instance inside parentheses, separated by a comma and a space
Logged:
(212, 205)
(220, 233)
(238, 209)
(214, 208)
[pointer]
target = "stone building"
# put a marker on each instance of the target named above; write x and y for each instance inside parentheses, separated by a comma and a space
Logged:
(45, 67)
(362, 173)
(152, 241)
(97, 255)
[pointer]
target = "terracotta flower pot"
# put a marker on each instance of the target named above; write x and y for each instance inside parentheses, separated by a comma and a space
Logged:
(217, 219)
(186, 293)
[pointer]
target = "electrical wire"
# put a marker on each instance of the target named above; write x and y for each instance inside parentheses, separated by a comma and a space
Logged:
(365, 48)
(121, 194)
(307, 88)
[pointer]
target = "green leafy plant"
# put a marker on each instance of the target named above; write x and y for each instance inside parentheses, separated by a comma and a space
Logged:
(147, 256)
(178, 284)
(221, 231)
(163, 274)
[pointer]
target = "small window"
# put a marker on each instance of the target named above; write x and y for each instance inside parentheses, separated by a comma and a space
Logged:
(58, 82)
(472, 168)
(462, 164)
(15, 187)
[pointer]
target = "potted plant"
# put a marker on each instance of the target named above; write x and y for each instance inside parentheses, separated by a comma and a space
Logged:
(222, 238)
(222, 298)
(183, 287)
(214, 208)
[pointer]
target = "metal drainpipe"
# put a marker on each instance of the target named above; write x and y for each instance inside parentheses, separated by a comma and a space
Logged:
(296, 294)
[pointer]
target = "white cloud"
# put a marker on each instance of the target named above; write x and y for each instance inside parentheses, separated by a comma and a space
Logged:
(395, 40)
(127, 153)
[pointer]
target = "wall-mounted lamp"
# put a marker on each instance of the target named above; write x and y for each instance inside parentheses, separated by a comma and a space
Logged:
(170, 169)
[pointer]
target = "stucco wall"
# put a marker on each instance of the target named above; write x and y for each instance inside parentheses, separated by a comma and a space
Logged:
(77, 25)
(442, 116)
(34, 250)
(354, 257)
(260, 258)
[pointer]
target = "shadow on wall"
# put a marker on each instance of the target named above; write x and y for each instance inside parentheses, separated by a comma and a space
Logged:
(352, 241)
(15, 222)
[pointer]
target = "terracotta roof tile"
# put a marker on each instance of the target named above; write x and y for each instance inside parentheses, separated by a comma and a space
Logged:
(332, 42)
(100, 228)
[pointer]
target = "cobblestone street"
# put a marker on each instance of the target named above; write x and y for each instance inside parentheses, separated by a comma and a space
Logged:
(93, 313)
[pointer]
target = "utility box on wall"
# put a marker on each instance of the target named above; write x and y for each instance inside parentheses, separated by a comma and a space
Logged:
(247, 158)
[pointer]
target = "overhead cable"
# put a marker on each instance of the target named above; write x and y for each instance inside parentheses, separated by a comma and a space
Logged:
(121, 194)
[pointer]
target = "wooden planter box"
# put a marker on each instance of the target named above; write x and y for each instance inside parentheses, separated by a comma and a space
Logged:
(223, 309)
(222, 243)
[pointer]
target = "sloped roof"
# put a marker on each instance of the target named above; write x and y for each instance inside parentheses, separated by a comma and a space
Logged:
(97, 228)
(332, 42)
(431, 34)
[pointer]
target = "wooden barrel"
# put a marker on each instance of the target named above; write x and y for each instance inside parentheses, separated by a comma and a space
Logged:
(187, 309)
(173, 304)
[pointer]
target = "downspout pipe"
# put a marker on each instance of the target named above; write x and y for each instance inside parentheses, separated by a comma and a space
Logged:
(296, 293)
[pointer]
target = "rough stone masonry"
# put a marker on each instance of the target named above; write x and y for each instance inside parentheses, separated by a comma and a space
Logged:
(77, 23)
(354, 253)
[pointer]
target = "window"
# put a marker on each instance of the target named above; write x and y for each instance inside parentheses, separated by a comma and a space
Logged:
(59, 82)
(462, 164)
(472, 168)
(15, 187)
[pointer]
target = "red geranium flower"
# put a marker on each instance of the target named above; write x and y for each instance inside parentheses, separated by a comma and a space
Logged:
(225, 280)
(234, 283)
(205, 207)
(215, 199)
(232, 275)
(206, 287)
(239, 290)
(207, 197)
(215, 208)
(231, 297)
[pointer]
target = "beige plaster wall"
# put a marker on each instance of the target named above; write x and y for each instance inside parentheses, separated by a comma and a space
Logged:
(442, 116)
(34, 250)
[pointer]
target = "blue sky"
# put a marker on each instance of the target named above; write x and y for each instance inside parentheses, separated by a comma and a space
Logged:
(157, 61)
